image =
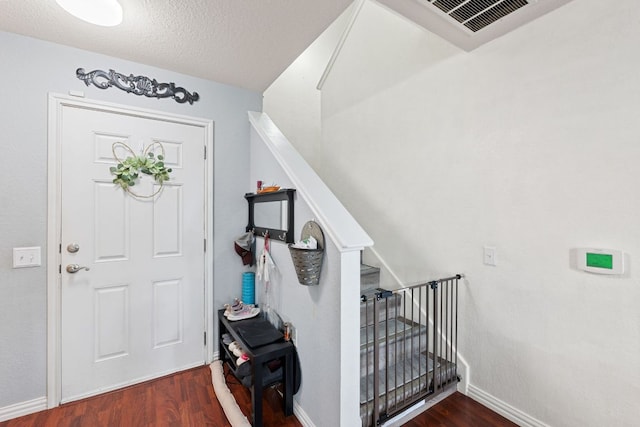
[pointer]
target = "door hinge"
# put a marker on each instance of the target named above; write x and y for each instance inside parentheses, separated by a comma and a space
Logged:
(205, 338)
(205, 245)
(205, 152)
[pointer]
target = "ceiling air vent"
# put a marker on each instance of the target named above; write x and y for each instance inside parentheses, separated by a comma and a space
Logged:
(477, 14)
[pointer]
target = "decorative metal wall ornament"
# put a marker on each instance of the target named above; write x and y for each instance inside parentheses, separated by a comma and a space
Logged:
(139, 85)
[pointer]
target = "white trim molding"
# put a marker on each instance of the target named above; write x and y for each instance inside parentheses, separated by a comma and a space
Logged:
(417, 409)
(503, 408)
(341, 227)
(301, 415)
(349, 239)
(341, 42)
(23, 408)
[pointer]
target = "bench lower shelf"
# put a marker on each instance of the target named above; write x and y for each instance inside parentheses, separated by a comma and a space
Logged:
(260, 375)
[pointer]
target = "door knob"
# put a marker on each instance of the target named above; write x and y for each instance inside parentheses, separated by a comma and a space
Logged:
(74, 268)
(73, 248)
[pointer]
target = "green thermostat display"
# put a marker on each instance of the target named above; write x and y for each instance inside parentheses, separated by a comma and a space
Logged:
(600, 260)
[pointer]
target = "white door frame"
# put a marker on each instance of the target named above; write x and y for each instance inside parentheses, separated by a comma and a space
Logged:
(54, 225)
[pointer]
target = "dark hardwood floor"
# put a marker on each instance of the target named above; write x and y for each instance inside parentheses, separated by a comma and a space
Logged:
(183, 399)
(187, 399)
(459, 410)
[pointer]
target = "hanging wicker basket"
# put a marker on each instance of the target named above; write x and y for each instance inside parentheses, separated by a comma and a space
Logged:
(308, 262)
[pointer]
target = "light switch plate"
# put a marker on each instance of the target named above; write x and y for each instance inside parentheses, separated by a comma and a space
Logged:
(27, 257)
(490, 256)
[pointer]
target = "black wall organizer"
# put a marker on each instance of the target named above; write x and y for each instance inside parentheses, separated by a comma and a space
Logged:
(262, 229)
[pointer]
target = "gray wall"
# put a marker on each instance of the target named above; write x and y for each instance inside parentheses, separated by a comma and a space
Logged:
(314, 311)
(30, 70)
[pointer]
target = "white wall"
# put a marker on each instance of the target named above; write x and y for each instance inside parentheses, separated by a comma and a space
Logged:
(300, 116)
(30, 70)
(529, 144)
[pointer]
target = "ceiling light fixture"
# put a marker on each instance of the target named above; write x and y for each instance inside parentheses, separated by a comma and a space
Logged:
(107, 13)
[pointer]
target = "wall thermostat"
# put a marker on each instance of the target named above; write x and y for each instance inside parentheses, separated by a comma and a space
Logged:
(600, 261)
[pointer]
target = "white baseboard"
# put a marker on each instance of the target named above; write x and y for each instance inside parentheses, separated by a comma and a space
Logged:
(302, 416)
(23, 408)
(402, 418)
(503, 408)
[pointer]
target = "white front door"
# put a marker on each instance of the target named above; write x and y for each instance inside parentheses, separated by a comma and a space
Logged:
(137, 311)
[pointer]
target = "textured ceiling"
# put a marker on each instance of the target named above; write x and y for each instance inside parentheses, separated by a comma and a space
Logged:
(245, 43)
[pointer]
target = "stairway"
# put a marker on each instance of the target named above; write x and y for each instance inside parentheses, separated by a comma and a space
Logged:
(405, 365)
(369, 277)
